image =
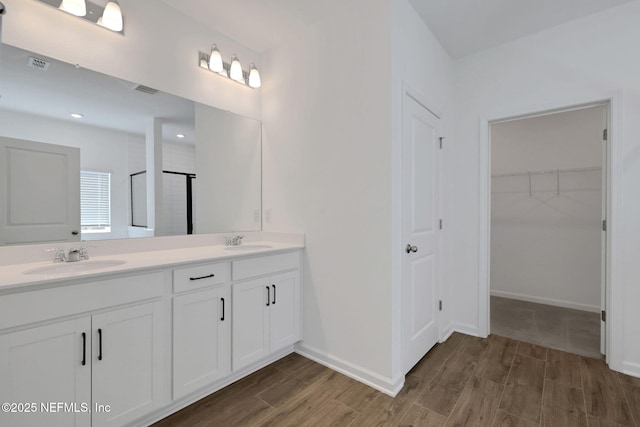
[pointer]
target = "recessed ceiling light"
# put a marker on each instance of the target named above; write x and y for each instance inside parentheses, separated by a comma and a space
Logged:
(180, 135)
(77, 115)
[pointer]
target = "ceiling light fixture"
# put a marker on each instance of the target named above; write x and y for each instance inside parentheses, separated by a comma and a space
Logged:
(232, 70)
(107, 16)
(76, 115)
(112, 17)
(180, 135)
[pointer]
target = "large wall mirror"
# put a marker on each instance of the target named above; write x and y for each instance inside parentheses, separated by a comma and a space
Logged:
(75, 152)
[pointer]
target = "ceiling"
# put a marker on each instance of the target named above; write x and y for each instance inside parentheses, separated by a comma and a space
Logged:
(463, 27)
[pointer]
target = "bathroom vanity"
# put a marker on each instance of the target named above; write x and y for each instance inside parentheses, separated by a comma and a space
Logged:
(128, 339)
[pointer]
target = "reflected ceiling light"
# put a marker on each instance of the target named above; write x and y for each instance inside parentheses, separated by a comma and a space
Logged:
(236, 69)
(112, 17)
(74, 7)
(254, 77)
(76, 115)
(215, 60)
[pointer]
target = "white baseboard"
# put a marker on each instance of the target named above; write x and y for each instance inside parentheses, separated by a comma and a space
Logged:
(632, 369)
(388, 386)
(465, 328)
(547, 301)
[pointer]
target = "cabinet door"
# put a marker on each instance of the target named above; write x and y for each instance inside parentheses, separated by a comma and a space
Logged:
(127, 369)
(201, 339)
(44, 365)
(284, 310)
(250, 322)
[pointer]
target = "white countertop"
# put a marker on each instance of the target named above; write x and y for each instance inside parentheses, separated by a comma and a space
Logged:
(12, 277)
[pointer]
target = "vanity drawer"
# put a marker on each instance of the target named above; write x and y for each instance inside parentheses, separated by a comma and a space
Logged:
(264, 265)
(201, 276)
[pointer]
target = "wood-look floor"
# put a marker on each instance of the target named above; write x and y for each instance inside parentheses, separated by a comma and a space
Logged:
(465, 381)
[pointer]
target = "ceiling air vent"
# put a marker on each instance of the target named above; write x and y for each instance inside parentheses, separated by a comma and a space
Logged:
(146, 89)
(38, 64)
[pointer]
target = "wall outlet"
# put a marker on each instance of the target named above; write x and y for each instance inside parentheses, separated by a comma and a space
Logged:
(267, 215)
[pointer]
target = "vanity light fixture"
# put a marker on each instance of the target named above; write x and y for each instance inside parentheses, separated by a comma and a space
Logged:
(215, 60)
(107, 16)
(254, 77)
(74, 7)
(112, 17)
(233, 70)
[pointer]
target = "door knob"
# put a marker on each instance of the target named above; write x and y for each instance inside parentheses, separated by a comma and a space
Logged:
(413, 249)
(75, 232)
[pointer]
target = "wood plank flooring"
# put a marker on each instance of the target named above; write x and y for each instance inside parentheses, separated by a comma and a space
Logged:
(465, 381)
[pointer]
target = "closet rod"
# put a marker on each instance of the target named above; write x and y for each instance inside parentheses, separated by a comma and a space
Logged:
(546, 172)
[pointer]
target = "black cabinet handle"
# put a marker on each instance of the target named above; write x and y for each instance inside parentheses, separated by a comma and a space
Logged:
(99, 344)
(268, 296)
(203, 277)
(222, 318)
(274, 294)
(84, 349)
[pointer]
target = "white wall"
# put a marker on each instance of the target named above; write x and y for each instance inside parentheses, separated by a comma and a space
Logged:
(590, 58)
(327, 173)
(545, 229)
(91, 140)
(332, 135)
(420, 63)
(159, 49)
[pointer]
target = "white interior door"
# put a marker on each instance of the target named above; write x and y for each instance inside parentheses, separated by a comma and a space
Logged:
(39, 192)
(420, 226)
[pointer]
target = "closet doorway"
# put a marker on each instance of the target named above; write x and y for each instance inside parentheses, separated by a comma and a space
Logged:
(548, 243)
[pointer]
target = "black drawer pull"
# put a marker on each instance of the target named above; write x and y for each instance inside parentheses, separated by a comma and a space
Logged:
(99, 344)
(84, 349)
(203, 277)
(222, 318)
(274, 295)
(268, 296)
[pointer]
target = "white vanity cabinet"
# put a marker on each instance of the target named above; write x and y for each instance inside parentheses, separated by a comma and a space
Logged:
(201, 328)
(266, 310)
(112, 357)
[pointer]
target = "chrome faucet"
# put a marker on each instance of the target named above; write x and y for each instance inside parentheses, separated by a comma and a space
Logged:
(74, 254)
(233, 240)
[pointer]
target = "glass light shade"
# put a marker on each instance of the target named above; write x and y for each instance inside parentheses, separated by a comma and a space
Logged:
(236, 70)
(74, 7)
(254, 77)
(112, 17)
(215, 60)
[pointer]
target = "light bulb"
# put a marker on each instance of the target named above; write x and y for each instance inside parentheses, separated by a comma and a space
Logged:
(236, 70)
(112, 17)
(215, 60)
(254, 77)
(74, 7)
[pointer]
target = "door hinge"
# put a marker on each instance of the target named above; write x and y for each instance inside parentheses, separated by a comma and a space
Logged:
(440, 305)
(604, 225)
(604, 316)
(441, 139)
(605, 134)
(440, 224)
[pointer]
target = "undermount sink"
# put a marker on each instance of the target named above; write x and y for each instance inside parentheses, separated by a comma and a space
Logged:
(246, 247)
(74, 267)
